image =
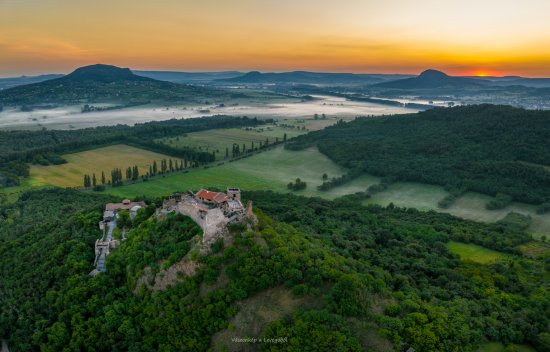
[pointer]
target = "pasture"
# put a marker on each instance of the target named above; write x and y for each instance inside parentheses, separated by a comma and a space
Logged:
(410, 195)
(468, 206)
(95, 161)
(219, 140)
(269, 170)
(475, 253)
(274, 169)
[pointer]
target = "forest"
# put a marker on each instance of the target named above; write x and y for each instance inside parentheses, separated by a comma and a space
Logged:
(367, 268)
(488, 149)
(18, 148)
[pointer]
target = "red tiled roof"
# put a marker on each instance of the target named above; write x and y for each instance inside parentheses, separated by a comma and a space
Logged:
(217, 197)
(220, 198)
(204, 194)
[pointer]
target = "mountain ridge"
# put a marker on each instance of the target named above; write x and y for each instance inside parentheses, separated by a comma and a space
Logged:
(103, 83)
(308, 77)
(431, 79)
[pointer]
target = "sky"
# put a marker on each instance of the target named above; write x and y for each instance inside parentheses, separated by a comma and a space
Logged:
(466, 37)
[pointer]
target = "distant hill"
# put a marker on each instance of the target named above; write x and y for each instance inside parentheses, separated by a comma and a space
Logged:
(508, 81)
(304, 77)
(188, 77)
(10, 82)
(104, 83)
(431, 79)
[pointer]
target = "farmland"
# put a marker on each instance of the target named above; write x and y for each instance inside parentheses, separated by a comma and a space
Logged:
(219, 140)
(272, 169)
(275, 168)
(93, 161)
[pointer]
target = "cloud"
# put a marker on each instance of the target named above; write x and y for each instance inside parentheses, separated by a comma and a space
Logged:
(43, 46)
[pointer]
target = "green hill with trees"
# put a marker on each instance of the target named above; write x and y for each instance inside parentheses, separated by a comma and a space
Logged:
(497, 150)
(370, 275)
(105, 83)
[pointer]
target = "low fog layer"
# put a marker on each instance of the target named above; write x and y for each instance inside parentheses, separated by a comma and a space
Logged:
(71, 117)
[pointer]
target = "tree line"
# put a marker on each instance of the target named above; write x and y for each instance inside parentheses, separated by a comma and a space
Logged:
(495, 150)
(132, 173)
(19, 148)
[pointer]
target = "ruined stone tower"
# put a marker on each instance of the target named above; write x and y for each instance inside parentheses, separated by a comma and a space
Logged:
(233, 194)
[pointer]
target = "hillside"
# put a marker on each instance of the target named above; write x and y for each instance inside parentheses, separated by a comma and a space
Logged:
(104, 83)
(357, 278)
(431, 79)
(485, 148)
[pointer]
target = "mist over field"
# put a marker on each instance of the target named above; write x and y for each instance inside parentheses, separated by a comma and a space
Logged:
(70, 117)
(275, 176)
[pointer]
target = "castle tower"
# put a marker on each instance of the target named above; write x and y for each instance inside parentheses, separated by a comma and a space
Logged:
(234, 193)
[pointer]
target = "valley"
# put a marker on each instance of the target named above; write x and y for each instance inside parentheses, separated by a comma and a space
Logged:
(272, 170)
(274, 176)
(354, 202)
(259, 105)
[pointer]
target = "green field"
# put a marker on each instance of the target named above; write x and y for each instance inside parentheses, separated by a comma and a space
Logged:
(475, 253)
(272, 170)
(472, 206)
(410, 195)
(104, 159)
(468, 206)
(13, 193)
(218, 140)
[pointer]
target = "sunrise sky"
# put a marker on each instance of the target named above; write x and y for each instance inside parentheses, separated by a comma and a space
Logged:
(505, 37)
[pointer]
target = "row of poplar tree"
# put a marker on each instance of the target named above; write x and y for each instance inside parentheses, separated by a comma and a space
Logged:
(132, 172)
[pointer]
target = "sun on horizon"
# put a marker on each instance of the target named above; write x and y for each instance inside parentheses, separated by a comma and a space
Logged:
(359, 36)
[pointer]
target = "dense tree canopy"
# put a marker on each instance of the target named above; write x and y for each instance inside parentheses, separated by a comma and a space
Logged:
(485, 148)
(384, 270)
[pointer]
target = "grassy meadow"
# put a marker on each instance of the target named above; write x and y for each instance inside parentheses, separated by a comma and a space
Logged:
(410, 195)
(272, 169)
(218, 140)
(475, 253)
(104, 159)
(275, 168)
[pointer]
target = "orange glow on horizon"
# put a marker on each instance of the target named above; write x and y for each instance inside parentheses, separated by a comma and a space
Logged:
(465, 37)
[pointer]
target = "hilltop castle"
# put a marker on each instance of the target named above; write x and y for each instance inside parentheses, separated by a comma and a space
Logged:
(212, 211)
